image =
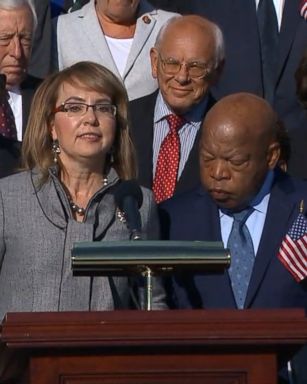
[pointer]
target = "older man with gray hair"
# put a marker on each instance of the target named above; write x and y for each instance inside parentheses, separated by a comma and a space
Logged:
(186, 60)
(18, 22)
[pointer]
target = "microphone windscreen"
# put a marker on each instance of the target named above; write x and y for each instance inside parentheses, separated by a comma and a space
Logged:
(129, 188)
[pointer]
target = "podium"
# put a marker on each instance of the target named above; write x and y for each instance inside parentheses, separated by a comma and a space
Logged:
(149, 347)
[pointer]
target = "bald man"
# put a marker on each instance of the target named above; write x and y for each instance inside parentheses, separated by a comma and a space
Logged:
(239, 151)
(186, 60)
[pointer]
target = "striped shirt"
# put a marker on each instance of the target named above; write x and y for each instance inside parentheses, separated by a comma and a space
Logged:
(187, 132)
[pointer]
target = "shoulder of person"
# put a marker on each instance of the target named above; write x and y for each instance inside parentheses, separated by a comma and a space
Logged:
(159, 14)
(31, 82)
(295, 189)
(80, 13)
(185, 200)
(17, 179)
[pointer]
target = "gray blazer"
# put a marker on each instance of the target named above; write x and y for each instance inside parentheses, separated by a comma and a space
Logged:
(78, 36)
(37, 232)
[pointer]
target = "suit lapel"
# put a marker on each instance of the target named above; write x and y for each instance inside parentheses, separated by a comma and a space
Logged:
(290, 21)
(280, 215)
(26, 99)
(96, 38)
(144, 27)
(142, 125)
(191, 172)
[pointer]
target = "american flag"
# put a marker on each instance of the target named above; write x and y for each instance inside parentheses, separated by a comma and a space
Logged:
(303, 9)
(293, 250)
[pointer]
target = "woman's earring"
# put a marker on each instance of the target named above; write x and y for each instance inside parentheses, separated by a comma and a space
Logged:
(55, 150)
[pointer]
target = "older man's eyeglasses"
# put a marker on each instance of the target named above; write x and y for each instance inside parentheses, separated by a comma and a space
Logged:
(195, 69)
(80, 109)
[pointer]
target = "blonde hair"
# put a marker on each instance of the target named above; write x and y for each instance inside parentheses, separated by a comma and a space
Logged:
(37, 143)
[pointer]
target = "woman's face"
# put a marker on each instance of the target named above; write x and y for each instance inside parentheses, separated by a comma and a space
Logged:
(84, 137)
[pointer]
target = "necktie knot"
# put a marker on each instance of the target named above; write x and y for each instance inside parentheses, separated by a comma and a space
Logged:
(242, 216)
(175, 122)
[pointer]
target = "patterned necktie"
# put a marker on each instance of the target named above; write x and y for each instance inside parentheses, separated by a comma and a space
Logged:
(7, 121)
(168, 161)
(242, 254)
(269, 39)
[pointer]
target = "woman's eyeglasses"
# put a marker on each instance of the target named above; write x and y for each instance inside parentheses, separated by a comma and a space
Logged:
(80, 109)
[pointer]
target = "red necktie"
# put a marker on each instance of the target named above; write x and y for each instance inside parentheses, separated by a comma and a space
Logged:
(168, 161)
(7, 121)
(303, 9)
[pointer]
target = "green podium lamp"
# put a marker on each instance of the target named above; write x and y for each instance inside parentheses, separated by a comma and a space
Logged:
(148, 258)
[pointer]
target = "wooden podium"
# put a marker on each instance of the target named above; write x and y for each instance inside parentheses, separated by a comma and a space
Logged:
(139, 347)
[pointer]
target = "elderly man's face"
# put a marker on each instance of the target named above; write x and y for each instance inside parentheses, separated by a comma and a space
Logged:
(190, 47)
(234, 160)
(16, 29)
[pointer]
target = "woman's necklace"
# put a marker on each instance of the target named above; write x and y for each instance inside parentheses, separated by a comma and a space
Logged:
(75, 207)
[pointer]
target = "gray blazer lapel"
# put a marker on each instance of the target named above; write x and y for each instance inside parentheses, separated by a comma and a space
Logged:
(144, 26)
(96, 38)
(49, 201)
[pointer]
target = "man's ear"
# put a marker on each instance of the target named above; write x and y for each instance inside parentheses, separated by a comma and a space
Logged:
(273, 155)
(154, 55)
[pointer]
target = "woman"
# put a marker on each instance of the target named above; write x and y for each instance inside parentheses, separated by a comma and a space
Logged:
(115, 33)
(76, 150)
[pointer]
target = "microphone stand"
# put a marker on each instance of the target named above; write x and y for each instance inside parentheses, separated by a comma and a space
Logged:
(148, 292)
(147, 273)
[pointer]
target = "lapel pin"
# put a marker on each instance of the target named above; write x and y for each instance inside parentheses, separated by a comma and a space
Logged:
(302, 206)
(146, 19)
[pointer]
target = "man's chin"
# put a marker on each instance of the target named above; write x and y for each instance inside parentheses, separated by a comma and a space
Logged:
(14, 80)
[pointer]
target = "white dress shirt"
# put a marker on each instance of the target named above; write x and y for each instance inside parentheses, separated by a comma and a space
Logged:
(279, 7)
(15, 101)
(187, 133)
(255, 221)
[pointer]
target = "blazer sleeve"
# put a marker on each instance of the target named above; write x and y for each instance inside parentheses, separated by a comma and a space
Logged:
(149, 215)
(151, 231)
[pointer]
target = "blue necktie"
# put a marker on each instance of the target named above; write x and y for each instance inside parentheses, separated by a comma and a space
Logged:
(269, 40)
(242, 254)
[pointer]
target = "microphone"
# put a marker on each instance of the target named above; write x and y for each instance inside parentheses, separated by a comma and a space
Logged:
(129, 198)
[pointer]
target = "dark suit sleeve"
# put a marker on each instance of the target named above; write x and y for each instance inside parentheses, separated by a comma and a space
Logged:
(41, 53)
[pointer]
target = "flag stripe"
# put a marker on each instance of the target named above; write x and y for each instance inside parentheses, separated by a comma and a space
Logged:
(294, 252)
(289, 265)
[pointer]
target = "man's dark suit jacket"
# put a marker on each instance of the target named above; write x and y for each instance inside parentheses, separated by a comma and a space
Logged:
(194, 216)
(242, 70)
(142, 126)
(9, 149)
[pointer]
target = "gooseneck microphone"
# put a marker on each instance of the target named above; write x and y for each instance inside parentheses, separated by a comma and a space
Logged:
(129, 198)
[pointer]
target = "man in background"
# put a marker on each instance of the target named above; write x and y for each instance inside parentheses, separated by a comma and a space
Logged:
(248, 203)
(265, 40)
(186, 60)
(17, 26)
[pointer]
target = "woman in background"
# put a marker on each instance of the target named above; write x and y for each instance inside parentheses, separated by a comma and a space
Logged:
(115, 33)
(76, 151)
